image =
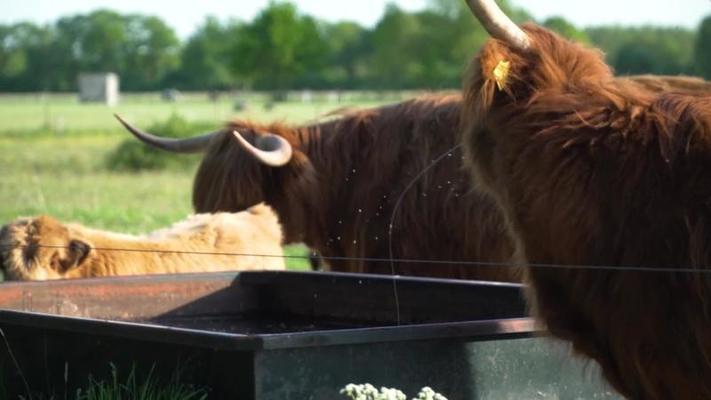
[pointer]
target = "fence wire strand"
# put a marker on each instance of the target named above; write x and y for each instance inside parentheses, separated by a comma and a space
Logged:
(493, 264)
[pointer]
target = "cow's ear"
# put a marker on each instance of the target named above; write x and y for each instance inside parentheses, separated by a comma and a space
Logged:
(77, 253)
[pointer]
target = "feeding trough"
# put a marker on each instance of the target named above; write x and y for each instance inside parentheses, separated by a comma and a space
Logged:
(286, 335)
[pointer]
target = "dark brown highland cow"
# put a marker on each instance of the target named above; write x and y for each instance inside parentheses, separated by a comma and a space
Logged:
(593, 171)
(335, 184)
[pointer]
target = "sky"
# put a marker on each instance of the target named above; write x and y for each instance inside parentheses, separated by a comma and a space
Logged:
(184, 17)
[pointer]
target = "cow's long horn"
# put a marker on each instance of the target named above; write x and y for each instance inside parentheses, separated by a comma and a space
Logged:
(194, 144)
(498, 24)
(271, 149)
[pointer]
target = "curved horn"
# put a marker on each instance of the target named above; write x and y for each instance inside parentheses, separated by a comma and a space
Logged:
(270, 149)
(498, 24)
(188, 145)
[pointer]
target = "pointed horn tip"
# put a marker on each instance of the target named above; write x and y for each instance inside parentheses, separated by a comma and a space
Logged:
(264, 155)
(241, 139)
(239, 136)
(123, 122)
(135, 131)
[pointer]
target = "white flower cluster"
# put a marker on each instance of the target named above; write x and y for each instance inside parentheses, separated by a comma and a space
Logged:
(369, 392)
(426, 393)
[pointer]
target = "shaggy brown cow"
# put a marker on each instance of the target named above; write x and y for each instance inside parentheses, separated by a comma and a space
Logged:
(342, 179)
(43, 248)
(335, 185)
(593, 171)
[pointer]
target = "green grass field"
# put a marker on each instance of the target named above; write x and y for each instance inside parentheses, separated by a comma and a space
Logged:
(53, 154)
(53, 150)
(62, 114)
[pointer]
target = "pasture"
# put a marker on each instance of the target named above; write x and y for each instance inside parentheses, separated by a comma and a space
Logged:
(53, 151)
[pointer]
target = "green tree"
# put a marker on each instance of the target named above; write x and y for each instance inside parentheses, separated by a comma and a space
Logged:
(659, 50)
(13, 57)
(100, 45)
(283, 49)
(636, 59)
(395, 49)
(450, 37)
(279, 47)
(141, 49)
(702, 49)
(87, 43)
(428, 49)
(348, 45)
(25, 57)
(561, 26)
(13, 60)
(648, 57)
(151, 52)
(206, 56)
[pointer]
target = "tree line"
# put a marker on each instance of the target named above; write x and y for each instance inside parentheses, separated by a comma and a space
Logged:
(282, 48)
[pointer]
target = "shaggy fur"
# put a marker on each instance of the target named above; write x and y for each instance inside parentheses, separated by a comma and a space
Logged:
(590, 170)
(338, 192)
(75, 251)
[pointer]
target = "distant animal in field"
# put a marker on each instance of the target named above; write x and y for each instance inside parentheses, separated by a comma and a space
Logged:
(600, 176)
(335, 186)
(42, 248)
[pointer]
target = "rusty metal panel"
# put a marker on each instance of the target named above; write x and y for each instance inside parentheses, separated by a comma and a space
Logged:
(285, 335)
(119, 298)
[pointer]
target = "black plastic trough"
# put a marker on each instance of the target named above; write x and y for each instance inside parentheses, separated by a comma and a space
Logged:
(286, 335)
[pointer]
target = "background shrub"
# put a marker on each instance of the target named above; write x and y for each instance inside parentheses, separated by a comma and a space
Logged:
(133, 155)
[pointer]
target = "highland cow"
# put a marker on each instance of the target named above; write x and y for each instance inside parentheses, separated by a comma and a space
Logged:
(598, 177)
(335, 186)
(42, 248)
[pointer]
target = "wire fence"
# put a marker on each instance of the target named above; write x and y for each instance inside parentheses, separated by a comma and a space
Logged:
(413, 261)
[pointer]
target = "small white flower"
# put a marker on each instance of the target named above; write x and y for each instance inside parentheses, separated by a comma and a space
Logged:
(391, 394)
(369, 392)
(426, 393)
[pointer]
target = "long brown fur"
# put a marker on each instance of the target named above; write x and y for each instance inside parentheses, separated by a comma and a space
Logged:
(592, 170)
(338, 192)
(43, 248)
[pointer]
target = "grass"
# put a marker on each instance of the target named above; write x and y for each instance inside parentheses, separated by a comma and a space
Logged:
(53, 153)
(140, 389)
(128, 387)
(65, 178)
(64, 115)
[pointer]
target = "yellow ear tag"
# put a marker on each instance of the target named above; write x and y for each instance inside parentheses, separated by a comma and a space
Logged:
(501, 73)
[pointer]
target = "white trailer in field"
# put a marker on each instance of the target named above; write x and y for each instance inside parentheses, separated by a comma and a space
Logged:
(99, 87)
